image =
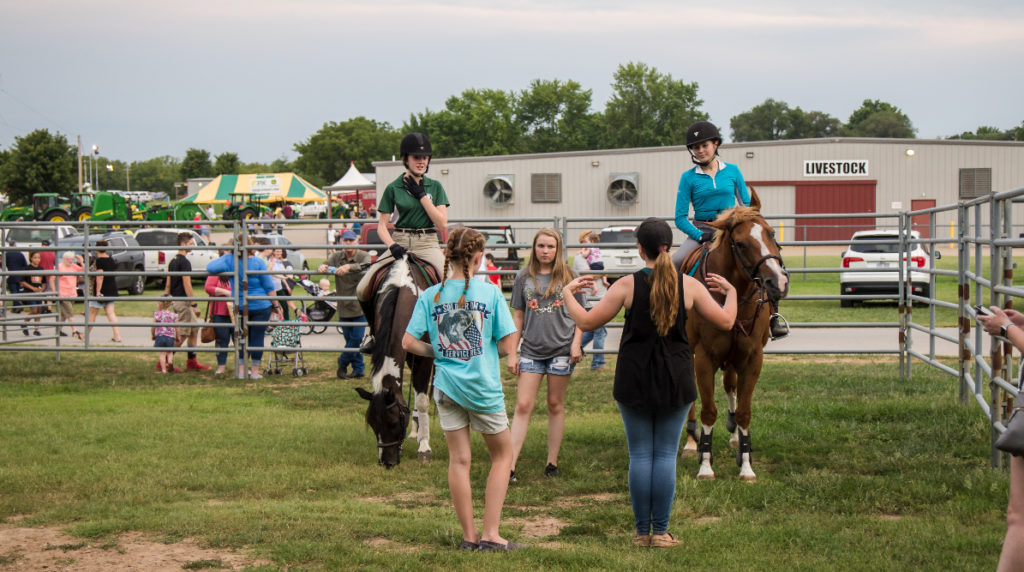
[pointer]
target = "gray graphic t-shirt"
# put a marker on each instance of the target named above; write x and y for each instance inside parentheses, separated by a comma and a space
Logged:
(547, 327)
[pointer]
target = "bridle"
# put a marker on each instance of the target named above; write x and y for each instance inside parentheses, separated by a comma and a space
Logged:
(752, 272)
(403, 421)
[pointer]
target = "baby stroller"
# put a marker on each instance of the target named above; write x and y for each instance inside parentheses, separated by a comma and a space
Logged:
(322, 310)
(285, 337)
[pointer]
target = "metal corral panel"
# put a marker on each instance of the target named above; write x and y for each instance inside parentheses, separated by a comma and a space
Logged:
(903, 170)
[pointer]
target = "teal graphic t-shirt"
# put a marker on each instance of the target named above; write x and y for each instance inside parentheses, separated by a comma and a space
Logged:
(467, 366)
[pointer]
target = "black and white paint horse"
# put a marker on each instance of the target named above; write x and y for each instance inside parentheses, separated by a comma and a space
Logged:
(388, 413)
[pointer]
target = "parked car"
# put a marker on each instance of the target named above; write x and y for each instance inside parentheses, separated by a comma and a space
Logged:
(312, 209)
(885, 258)
(504, 258)
(163, 247)
(618, 250)
(125, 260)
(35, 235)
(368, 235)
(294, 255)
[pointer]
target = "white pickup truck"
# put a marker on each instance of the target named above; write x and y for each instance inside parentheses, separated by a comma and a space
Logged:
(162, 246)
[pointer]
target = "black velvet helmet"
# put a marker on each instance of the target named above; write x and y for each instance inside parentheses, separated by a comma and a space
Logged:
(702, 131)
(415, 144)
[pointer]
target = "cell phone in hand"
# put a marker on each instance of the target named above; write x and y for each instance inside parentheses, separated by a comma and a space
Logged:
(983, 311)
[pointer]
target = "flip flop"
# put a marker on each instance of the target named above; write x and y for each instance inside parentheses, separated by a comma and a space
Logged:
(116, 340)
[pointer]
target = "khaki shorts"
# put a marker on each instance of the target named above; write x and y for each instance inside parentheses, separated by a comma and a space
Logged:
(186, 315)
(454, 416)
(67, 310)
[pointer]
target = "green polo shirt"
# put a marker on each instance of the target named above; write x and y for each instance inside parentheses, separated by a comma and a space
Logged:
(410, 212)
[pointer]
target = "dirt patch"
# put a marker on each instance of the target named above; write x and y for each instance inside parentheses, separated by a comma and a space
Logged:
(577, 500)
(890, 517)
(48, 548)
(707, 519)
(401, 497)
(381, 543)
(538, 527)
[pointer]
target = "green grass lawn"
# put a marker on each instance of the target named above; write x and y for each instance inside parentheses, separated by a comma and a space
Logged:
(856, 471)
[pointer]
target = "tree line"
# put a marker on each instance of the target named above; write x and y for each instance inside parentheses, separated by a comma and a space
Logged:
(647, 108)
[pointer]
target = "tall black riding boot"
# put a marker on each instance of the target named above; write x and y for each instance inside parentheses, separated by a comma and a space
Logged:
(366, 346)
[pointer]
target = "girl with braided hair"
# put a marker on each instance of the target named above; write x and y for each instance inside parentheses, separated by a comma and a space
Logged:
(469, 327)
(654, 386)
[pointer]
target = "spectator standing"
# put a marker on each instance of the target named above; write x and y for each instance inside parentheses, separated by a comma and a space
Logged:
(348, 266)
(258, 310)
(1010, 325)
(583, 263)
(163, 335)
(15, 261)
(106, 291)
(469, 328)
(187, 310)
(211, 213)
(36, 284)
(221, 313)
(289, 212)
(67, 287)
(654, 381)
(551, 343)
(48, 261)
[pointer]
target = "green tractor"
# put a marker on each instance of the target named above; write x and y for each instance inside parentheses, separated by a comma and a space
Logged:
(45, 207)
(102, 206)
(180, 211)
(245, 206)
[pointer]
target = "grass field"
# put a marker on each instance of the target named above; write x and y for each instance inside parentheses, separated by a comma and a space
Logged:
(856, 471)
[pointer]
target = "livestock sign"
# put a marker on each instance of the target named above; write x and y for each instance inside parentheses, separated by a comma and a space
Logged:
(840, 168)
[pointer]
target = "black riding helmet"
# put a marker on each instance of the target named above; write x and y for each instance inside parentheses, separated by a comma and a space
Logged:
(700, 132)
(415, 144)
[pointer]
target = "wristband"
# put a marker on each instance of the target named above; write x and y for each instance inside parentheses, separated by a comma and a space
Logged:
(1005, 328)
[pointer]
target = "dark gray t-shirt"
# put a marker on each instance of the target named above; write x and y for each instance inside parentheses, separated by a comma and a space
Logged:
(547, 326)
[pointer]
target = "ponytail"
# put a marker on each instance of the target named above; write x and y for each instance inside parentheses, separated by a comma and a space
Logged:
(664, 293)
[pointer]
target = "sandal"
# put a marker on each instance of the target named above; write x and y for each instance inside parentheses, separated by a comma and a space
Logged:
(116, 340)
(78, 336)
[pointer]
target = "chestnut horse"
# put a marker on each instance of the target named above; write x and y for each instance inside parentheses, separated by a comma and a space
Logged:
(400, 284)
(745, 252)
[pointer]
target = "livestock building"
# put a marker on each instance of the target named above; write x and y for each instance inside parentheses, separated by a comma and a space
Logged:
(807, 176)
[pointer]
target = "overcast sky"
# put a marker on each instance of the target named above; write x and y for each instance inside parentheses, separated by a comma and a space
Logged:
(142, 79)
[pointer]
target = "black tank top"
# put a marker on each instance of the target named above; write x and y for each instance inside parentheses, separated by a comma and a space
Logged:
(652, 371)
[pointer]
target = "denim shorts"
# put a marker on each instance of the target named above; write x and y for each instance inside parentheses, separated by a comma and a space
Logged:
(163, 342)
(558, 365)
(100, 305)
(454, 416)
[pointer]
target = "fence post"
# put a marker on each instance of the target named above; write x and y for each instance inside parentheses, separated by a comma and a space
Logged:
(903, 295)
(963, 295)
(999, 365)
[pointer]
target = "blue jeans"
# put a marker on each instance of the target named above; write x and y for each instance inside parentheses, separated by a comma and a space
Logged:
(353, 335)
(256, 335)
(653, 440)
(598, 337)
(224, 335)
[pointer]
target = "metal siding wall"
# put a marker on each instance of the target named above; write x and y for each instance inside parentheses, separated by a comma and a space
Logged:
(932, 173)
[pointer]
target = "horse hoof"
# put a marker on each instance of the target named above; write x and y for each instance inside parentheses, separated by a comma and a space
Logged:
(687, 453)
(748, 478)
(425, 456)
(705, 477)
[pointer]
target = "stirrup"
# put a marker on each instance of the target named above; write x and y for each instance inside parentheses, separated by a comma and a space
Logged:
(778, 327)
(367, 345)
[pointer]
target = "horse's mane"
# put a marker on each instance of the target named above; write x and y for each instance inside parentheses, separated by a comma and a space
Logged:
(732, 217)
